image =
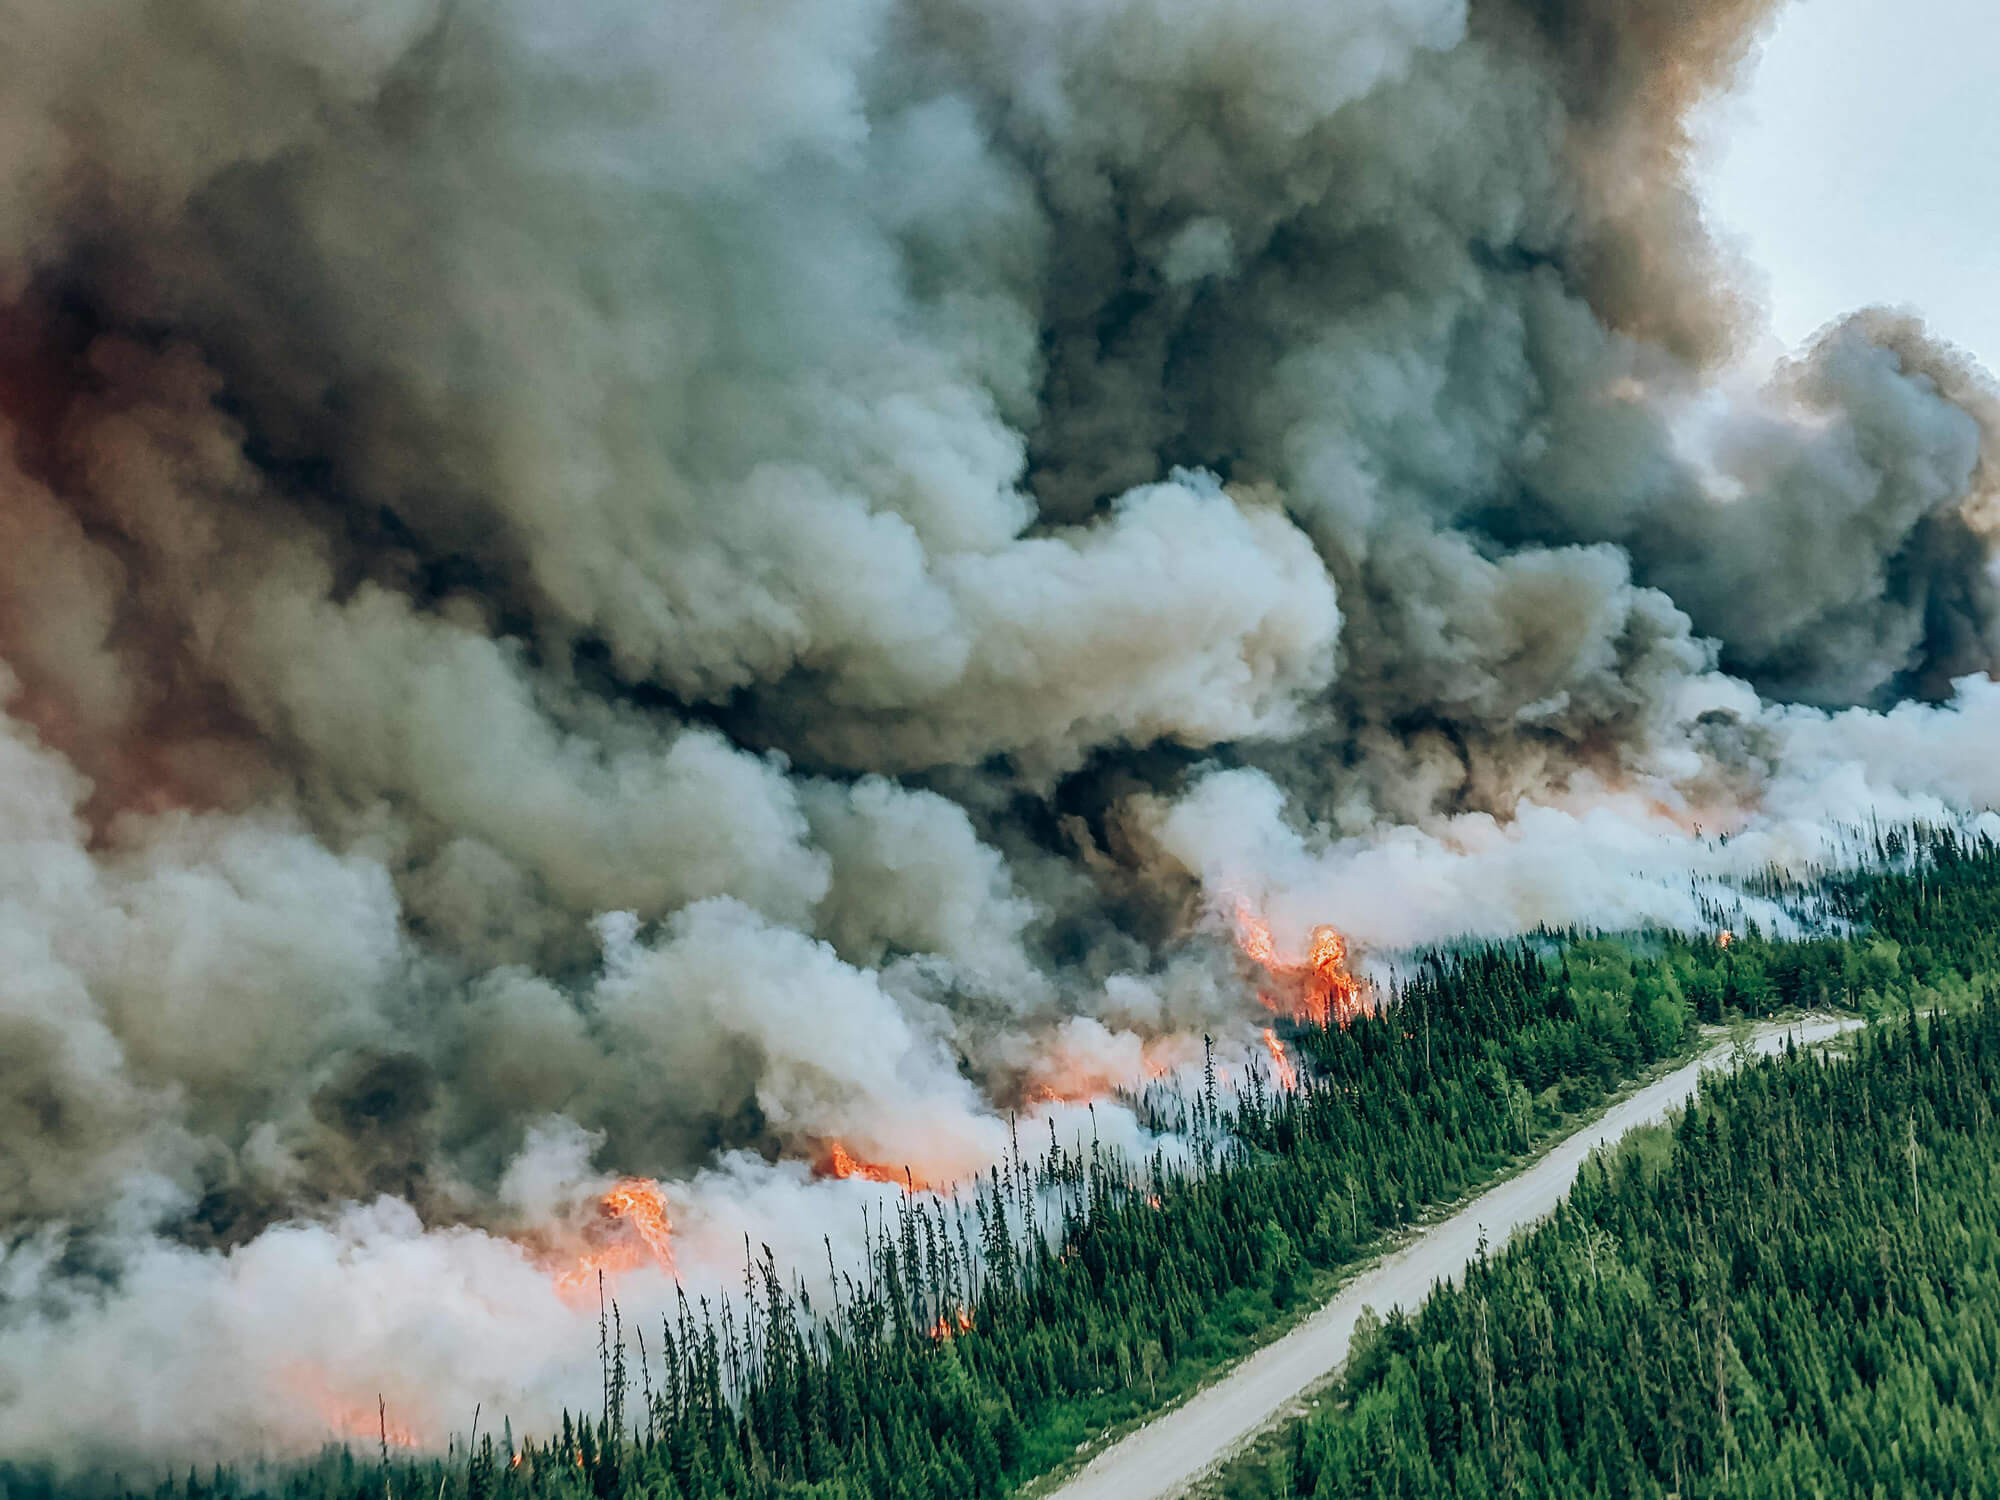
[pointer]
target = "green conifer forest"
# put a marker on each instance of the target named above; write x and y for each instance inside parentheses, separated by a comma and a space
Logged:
(1794, 1291)
(1795, 1288)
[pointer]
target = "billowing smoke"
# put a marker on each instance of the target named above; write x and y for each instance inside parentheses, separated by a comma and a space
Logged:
(651, 588)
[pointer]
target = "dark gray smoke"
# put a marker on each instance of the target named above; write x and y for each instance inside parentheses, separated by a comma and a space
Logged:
(645, 588)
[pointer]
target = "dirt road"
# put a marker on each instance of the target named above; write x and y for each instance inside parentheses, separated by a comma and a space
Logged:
(1165, 1456)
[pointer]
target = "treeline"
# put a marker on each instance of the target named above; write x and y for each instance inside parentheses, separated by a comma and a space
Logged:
(1794, 1291)
(1918, 918)
(1074, 1289)
(985, 1339)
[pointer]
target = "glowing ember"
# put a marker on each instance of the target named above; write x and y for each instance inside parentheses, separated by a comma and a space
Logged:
(1320, 989)
(1288, 1076)
(634, 1214)
(842, 1163)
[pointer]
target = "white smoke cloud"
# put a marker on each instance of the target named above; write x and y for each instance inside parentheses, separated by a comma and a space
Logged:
(638, 589)
(729, 1002)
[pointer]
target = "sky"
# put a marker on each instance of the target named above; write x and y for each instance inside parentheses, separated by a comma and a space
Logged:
(1861, 165)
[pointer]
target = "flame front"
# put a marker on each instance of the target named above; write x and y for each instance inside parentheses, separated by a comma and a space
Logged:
(1320, 989)
(640, 1202)
(1333, 996)
(350, 1419)
(1288, 1076)
(1253, 936)
(842, 1163)
(951, 1325)
(636, 1210)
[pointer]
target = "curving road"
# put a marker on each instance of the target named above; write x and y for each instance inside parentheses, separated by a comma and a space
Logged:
(1168, 1454)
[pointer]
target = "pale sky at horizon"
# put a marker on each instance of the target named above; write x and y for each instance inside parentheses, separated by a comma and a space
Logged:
(1861, 165)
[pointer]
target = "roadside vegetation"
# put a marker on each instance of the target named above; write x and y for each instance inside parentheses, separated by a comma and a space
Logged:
(1078, 1290)
(1794, 1289)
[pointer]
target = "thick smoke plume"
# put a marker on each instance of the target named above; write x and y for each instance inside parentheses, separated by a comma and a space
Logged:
(648, 588)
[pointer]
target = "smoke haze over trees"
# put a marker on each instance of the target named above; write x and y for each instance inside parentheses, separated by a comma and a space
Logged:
(638, 589)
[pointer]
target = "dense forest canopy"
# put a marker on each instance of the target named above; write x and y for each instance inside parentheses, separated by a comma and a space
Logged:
(1076, 1287)
(1796, 1290)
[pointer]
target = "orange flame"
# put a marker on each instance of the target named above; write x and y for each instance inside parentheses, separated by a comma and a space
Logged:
(1320, 989)
(640, 1202)
(1724, 938)
(350, 1420)
(950, 1326)
(1068, 1073)
(842, 1163)
(1067, 1090)
(1288, 1076)
(644, 1235)
(1253, 936)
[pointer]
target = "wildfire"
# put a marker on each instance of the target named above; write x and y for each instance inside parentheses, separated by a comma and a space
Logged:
(352, 1421)
(1067, 1091)
(1320, 989)
(640, 1202)
(1724, 938)
(1288, 1076)
(1253, 936)
(634, 1213)
(950, 1326)
(842, 1163)
(1080, 1068)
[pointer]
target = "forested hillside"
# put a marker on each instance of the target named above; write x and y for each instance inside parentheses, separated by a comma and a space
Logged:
(1077, 1289)
(1795, 1291)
